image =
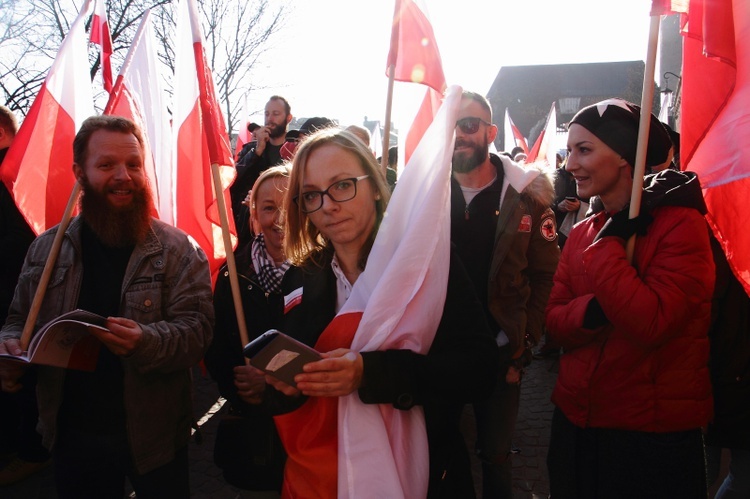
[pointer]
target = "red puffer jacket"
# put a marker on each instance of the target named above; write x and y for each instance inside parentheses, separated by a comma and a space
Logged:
(647, 369)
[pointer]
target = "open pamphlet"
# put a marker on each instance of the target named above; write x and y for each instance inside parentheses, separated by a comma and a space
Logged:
(279, 355)
(65, 342)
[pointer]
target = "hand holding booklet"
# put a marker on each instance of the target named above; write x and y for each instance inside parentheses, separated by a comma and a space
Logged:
(280, 355)
(65, 342)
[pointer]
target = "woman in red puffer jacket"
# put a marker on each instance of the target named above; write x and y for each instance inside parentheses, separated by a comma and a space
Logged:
(633, 389)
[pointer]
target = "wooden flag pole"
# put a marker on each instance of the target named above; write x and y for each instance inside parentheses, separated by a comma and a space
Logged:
(231, 265)
(36, 304)
(644, 124)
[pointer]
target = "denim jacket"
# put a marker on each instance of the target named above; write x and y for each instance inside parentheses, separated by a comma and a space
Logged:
(167, 290)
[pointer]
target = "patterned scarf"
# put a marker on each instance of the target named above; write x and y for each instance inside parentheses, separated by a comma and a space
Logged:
(269, 275)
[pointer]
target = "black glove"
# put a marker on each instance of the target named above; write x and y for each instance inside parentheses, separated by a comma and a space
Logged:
(594, 316)
(622, 226)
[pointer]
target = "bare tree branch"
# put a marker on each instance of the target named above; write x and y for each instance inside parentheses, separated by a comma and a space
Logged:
(237, 36)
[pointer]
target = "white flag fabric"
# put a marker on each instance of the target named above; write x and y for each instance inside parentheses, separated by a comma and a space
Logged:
(383, 451)
(139, 96)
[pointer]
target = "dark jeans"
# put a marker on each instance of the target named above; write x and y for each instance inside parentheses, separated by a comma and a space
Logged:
(95, 466)
(496, 419)
(604, 463)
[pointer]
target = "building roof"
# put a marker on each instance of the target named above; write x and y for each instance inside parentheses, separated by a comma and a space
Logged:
(529, 91)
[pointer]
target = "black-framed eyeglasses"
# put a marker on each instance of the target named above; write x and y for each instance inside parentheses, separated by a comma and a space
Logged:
(470, 125)
(339, 191)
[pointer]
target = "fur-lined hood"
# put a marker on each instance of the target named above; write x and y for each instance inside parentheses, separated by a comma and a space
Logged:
(530, 182)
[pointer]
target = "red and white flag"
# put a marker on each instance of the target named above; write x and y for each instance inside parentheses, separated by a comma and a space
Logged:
(200, 140)
(38, 168)
(101, 36)
(513, 136)
(379, 451)
(138, 95)
(544, 147)
(715, 119)
(415, 57)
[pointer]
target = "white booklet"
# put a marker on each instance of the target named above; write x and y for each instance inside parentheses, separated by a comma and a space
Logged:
(65, 342)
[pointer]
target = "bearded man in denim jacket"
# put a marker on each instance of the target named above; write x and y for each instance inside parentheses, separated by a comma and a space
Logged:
(131, 417)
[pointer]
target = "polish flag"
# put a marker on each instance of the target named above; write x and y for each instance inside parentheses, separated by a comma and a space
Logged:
(513, 136)
(138, 95)
(201, 140)
(375, 450)
(544, 147)
(415, 57)
(38, 168)
(101, 36)
(715, 119)
(243, 137)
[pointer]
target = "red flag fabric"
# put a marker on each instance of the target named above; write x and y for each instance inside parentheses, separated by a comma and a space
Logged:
(544, 147)
(415, 57)
(513, 136)
(715, 119)
(38, 168)
(201, 140)
(101, 36)
(138, 96)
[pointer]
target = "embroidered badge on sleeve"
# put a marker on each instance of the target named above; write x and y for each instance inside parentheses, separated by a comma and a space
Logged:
(547, 228)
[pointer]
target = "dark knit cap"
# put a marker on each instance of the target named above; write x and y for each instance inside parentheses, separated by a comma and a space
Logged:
(615, 122)
(314, 124)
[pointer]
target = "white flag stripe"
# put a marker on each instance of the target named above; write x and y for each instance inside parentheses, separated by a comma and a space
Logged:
(381, 448)
(68, 79)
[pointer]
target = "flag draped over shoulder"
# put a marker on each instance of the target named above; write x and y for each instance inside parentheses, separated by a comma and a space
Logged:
(513, 136)
(414, 57)
(340, 446)
(544, 147)
(38, 166)
(715, 119)
(381, 448)
(101, 36)
(200, 140)
(138, 96)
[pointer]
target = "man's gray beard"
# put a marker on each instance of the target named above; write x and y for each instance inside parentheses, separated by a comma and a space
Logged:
(116, 227)
(464, 164)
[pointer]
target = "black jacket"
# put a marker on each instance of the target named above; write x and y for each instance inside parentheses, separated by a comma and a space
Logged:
(730, 358)
(262, 311)
(15, 238)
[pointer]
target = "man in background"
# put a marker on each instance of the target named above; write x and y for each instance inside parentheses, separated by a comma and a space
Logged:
(18, 411)
(505, 234)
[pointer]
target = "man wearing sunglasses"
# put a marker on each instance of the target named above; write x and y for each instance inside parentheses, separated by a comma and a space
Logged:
(505, 233)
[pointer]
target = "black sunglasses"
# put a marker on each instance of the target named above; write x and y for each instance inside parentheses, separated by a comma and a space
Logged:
(470, 125)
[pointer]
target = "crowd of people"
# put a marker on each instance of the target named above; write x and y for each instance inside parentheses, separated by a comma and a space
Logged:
(649, 323)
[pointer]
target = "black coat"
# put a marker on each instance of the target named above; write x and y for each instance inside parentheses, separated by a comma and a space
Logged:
(730, 359)
(15, 238)
(262, 312)
(460, 367)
